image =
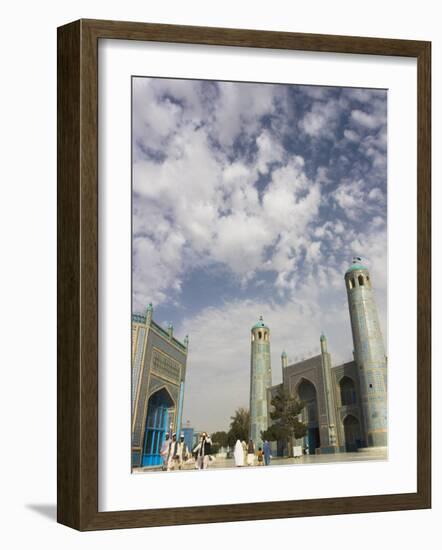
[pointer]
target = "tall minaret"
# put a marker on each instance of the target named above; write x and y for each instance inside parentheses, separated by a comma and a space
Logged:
(260, 380)
(329, 396)
(369, 352)
(284, 360)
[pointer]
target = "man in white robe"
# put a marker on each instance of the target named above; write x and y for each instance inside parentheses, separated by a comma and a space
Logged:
(181, 453)
(173, 454)
(238, 453)
(165, 451)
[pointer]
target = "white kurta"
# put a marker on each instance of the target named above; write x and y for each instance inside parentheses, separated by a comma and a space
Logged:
(238, 454)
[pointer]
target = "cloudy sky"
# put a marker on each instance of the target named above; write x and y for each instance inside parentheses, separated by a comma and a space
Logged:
(252, 199)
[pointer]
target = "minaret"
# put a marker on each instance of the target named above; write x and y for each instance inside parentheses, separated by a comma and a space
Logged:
(369, 352)
(260, 380)
(149, 314)
(329, 397)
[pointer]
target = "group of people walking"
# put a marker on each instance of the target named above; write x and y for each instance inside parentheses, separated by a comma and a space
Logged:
(175, 452)
(246, 453)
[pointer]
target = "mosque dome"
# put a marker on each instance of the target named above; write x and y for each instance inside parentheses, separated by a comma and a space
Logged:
(260, 324)
(357, 265)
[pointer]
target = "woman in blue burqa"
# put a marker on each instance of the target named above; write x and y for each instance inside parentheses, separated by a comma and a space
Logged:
(267, 452)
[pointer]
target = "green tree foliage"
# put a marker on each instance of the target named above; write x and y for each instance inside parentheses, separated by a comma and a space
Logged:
(239, 426)
(286, 425)
(219, 439)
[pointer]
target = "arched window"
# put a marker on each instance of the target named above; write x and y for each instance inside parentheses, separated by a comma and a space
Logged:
(351, 283)
(361, 280)
(348, 392)
(260, 335)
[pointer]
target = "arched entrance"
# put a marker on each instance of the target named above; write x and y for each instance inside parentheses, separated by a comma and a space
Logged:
(159, 411)
(307, 393)
(352, 433)
(348, 391)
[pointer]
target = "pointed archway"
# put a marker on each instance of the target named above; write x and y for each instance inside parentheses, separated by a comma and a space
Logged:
(307, 392)
(159, 412)
(352, 433)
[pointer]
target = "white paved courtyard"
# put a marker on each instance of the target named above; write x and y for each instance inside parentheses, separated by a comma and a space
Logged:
(373, 454)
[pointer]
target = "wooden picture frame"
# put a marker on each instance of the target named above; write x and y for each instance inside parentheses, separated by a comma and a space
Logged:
(77, 225)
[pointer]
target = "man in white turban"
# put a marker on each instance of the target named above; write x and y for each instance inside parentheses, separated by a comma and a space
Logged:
(172, 460)
(182, 452)
(238, 453)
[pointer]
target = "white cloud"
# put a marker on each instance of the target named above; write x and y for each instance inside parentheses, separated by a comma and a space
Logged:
(374, 147)
(322, 176)
(377, 221)
(358, 200)
(239, 108)
(351, 197)
(240, 241)
(313, 251)
(269, 150)
(316, 92)
(351, 135)
(321, 120)
(367, 120)
(155, 273)
(376, 194)
(282, 206)
(214, 205)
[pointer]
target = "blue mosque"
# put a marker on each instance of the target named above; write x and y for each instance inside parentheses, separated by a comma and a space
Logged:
(159, 362)
(345, 405)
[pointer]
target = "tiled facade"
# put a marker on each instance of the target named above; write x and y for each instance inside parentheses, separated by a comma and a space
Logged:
(345, 405)
(158, 376)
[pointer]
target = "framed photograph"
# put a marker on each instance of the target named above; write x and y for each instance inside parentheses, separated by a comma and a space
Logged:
(243, 275)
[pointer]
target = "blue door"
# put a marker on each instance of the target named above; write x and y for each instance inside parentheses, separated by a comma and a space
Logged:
(157, 424)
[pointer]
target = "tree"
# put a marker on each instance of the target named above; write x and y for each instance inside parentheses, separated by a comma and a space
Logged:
(219, 439)
(286, 425)
(239, 426)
